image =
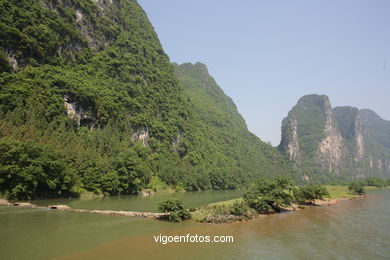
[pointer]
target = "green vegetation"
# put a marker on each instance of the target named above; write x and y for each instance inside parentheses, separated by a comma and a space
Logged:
(377, 128)
(360, 141)
(230, 155)
(274, 195)
(91, 84)
(310, 117)
(226, 202)
(156, 184)
(90, 103)
(376, 182)
(30, 170)
(270, 195)
(175, 208)
(120, 82)
(239, 208)
(310, 193)
(223, 212)
(339, 191)
(265, 196)
(356, 188)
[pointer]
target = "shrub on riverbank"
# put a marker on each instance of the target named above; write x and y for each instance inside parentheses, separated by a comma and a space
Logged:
(176, 209)
(376, 182)
(270, 195)
(310, 193)
(224, 213)
(356, 188)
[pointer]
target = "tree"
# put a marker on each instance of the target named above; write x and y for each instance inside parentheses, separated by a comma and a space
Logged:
(269, 195)
(239, 208)
(310, 193)
(29, 170)
(175, 208)
(356, 188)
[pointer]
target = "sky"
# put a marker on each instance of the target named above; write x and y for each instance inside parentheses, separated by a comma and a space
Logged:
(266, 54)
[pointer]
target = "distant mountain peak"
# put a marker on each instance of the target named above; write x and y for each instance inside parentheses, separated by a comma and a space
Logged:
(345, 141)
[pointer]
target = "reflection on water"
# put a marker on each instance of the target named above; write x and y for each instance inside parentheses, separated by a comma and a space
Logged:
(149, 203)
(355, 229)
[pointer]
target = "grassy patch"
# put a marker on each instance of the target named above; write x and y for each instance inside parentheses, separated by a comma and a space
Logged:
(338, 192)
(226, 203)
(224, 211)
(375, 188)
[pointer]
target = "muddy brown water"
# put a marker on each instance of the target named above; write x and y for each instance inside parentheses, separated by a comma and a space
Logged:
(352, 229)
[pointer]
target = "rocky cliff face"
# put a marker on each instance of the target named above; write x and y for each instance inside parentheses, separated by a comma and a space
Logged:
(343, 141)
(309, 134)
(290, 144)
(330, 150)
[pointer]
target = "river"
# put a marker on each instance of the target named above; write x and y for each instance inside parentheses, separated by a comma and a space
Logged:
(352, 229)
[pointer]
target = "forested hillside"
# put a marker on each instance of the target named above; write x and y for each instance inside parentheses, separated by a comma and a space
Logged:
(89, 102)
(232, 153)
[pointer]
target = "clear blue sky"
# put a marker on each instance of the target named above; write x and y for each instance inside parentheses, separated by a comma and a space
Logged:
(266, 54)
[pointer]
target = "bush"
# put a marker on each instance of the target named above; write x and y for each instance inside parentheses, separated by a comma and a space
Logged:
(311, 192)
(239, 208)
(175, 208)
(376, 182)
(268, 195)
(156, 184)
(356, 188)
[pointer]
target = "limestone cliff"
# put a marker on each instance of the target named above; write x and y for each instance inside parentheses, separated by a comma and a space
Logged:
(331, 149)
(343, 141)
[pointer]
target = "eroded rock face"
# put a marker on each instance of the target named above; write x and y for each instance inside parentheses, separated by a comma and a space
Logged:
(359, 139)
(77, 112)
(290, 143)
(380, 164)
(13, 61)
(293, 145)
(345, 140)
(330, 149)
(72, 109)
(87, 27)
(142, 134)
(371, 163)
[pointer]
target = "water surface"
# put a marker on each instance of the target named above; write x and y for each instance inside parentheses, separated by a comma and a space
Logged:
(147, 203)
(353, 229)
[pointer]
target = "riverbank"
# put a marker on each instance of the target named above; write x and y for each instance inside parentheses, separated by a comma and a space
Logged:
(221, 212)
(151, 215)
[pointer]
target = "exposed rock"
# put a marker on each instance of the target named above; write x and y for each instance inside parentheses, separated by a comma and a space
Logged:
(60, 207)
(380, 164)
(176, 143)
(72, 109)
(146, 193)
(142, 135)
(371, 162)
(330, 150)
(23, 204)
(289, 143)
(76, 111)
(359, 139)
(344, 140)
(293, 145)
(79, 15)
(13, 61)
(4, 202)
